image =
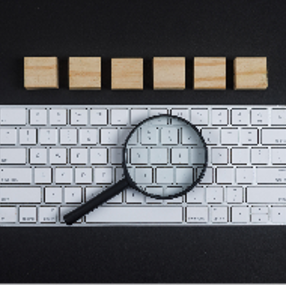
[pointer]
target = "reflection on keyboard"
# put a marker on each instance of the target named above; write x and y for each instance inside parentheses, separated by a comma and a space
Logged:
(53, 158)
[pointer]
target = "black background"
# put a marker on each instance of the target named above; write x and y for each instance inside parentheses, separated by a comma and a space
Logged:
(142, 29)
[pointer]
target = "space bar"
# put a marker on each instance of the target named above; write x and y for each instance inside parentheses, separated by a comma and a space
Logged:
(136, 214)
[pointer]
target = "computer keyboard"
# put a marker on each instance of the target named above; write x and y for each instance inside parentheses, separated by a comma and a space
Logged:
(54, 158)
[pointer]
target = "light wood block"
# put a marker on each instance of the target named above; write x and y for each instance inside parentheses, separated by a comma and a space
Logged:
(85, 73)
(41, 72)
(250, 73)
(169, 73)
(209, 73)
(127, 73)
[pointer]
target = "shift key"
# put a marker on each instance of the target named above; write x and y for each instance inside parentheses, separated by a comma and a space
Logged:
(271, 175)
(15, 175)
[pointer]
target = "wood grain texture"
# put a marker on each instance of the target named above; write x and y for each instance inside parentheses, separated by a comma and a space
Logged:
(250, 73)
(41, 72)
(169, 73)
(127, 73)
(209, 73)
(85, 73)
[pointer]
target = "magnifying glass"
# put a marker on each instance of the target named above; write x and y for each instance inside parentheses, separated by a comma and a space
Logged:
(164, 157)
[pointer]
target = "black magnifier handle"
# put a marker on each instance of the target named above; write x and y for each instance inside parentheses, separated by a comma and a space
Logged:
(107, 194)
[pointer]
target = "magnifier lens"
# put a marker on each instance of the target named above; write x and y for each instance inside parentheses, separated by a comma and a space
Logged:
(165, 156)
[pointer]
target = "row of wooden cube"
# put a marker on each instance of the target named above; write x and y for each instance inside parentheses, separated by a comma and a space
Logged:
(127, 73)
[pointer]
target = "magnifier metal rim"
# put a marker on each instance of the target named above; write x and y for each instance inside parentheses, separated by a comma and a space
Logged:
(125, 150)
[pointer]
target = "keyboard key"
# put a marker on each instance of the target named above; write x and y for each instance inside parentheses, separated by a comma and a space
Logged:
(240, 116)
(72, 195)
(53, 195)
(219, 214)
(12, 156)
(278, 156)
(8, 214)
(83, 175)
(199, 116)
(273, 136)
(134, 197)
(98, 117)
(20, 195)
(219, 117)
(88, 136)
(219, 156)
(183, 113)
(244, 175)
(103, 175)
(229, 136)
(183, 176)
(149, 135)
(259, 218)
(259, 210)
(259, 156)
(28, 214)
(224, 175)
(13, 116)
(138, 115)
(249, 136)
(239, 156)
(159, 156)
(214, 195)
(38, 156)
(139, 156)
(63, 175)
(78, 116)
(178, 155)
(208, 177)
(143, 175)
(259, 117)
(211, 135)
(58, 117)
(58, 156)
(48, 136)
(196, 195)
(27, 136)
(166, 175)
(38, 117)
(68, 136)
(273, 195)
(234, 195)
(8, 136)
(43, 175)
(91, 192)
(189, 137)
(278, 116)
(98, 156)
(78, 156)
(15, 175)
(116, 156)
(240, 214)
(129, 214)
(109, 136)
(48, 214)
(278, 214)
(65, 210)
(271, 175)
(119, 117)
(197, 214)
(169, 136)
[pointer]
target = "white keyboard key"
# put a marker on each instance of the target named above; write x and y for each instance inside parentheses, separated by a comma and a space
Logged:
(138, 115)
(165, 175)
(116, 199)
(271, 175)
(43, 175)
(244, 175)
(68, 136)
(239, 156)
(183, 113)
(139, 156)
(224, 175)
(249, 136)
(184, 176)
(178, 155)
(78, 156)
(197, 214)
(229, 136)
(143, 175)
(259, 210)
(199, 116)
(8, 136)
(234, 195)
(98, 117)
(48, 214)
(278, 214)
(259, 156)
(259, 218)
(214, 194)
(134, 197)
(169, 136)
(98, 156)
(116, 155)
(8, 214)
(274, 195)
(219, 117)
(58, 117)
(20, 195)
(278, 156)
(13, 116)
(240, 214)
(78, 116)
(119, 117)
(208, 177)
(173, 190)
(197, 156)
(12, 156)
(219, 156)
(122, 136)
(38, 156)
(219, 214)
(160, 120)
(156, 191)
(63, 175)
(119, 174)
(278, 116)
(259, 117)
(109, 136)
(91, 192)
(38, 117)
(58, 156)
(72, 195)
(27, 136)
(273, 136)
(240, 116)
(15, 175)
(149, 136)
(196, 195)
(48, 136)
(211, 135)
(83, 175)
(28, 214)
(53, 195)
(66, 210)
(103, 175)
(88, 136)
(129, 214)
(189, 137)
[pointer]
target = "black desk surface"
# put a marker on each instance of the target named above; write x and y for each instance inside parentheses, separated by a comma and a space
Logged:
(142, 29)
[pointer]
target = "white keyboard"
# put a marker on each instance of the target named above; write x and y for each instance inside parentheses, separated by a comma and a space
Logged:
(54, 158)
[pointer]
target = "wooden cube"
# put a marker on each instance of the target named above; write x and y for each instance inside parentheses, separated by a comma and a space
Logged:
(250, 73)
(209, 73)
(169, 73)
(84, 73)
(41, 72)
(127, 73)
